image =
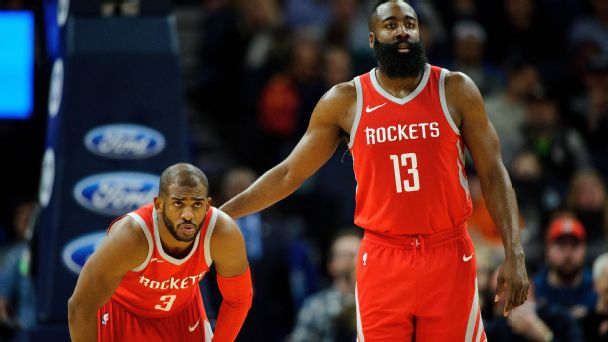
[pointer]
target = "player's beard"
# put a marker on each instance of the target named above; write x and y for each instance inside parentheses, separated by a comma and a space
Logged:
(395, 64)
(172, 229)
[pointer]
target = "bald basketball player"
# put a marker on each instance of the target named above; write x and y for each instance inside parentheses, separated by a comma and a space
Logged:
(142, 283)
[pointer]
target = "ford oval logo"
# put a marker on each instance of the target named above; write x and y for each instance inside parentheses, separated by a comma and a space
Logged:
(78, 250)
(116, 193)
(124, 141)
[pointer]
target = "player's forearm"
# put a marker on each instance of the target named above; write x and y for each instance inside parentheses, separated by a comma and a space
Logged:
(82, 323)
(237, 296)
(230, 320)
(502, 206)
(274, 185)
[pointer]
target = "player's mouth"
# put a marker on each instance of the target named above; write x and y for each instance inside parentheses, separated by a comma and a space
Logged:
(187, 228)
(403, 48)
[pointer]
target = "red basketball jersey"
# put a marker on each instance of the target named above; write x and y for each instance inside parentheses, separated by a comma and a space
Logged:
(162, 285)
(408, 158)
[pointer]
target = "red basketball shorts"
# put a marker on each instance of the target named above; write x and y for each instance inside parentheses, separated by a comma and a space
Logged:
(420, 288)
(115, 323)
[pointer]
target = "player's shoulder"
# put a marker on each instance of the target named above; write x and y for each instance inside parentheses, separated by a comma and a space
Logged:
(126, 229)
(337, 102)
(459, 81)
(341, 93)
(225, 231)
(224, 224)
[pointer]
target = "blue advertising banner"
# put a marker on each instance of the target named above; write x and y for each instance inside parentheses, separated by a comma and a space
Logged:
(116, 120)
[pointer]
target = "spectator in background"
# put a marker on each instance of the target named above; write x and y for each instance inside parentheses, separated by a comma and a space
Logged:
(469, 56)
(17, 296)
(590, 111)
(532, 321)
(319, 316)
(507, 107)
(565, 281)
(337, 66)
(595, 322)
(289, 96)
(560, 149)
(593, 27)
(519, 35)
(587, 200)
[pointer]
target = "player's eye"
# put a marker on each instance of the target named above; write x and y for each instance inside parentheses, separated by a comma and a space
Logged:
(390, 25)
(177, 203)
(198, 204)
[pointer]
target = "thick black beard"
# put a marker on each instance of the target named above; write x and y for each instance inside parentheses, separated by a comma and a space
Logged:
(398, 65)
(173, 231)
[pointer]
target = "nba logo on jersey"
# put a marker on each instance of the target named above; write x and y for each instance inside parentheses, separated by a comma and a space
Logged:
(105, 318)
(365, 259)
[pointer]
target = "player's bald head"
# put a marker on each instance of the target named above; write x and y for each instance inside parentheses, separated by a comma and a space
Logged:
(183, 175)
(373, 16)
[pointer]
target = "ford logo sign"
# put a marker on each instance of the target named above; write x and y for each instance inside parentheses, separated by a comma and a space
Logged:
(116, 193)
(78, 250)
(124, 141)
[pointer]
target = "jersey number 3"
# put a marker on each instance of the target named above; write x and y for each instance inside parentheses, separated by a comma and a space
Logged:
(406, 160)
(166, 303)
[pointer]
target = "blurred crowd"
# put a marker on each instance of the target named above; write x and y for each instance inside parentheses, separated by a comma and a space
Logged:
(253, 71)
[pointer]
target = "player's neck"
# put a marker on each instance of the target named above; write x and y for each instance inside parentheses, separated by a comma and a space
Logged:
(398, 87)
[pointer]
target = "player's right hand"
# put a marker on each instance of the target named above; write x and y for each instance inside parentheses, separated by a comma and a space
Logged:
(512, 283)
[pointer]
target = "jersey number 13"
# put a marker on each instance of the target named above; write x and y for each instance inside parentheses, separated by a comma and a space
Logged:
(410, 161)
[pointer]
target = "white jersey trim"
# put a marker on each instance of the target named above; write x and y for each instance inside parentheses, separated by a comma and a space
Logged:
(360, 337)
(461, 173)
(159, 246)
(411, 96)
(473, 313)
(208, 233)
(208, 331)
(444, 102)
(144, 227)
(358, 109)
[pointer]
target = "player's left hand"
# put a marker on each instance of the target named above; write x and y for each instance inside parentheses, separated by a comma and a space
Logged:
(512, 283)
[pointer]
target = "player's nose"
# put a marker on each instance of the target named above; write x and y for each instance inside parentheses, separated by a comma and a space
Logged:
(401, 32)
(187, 214)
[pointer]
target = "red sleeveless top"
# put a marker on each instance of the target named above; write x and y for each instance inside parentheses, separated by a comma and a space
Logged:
(163, 285)
(408, 159)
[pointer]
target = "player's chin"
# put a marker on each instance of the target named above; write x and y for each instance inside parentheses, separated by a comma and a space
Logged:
(186, 238)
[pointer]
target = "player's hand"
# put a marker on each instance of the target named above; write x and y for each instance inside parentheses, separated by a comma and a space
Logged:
(512, 283)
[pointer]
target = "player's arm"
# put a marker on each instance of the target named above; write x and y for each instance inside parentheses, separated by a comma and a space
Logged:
(233, 277)
(464, 99)
(316, 146)
(123, 249)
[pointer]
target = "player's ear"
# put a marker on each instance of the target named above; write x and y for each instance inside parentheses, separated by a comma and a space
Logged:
(158, 204)
(372, 37)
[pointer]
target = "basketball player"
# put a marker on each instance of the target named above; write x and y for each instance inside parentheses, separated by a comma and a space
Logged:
(407, 123)
(141, 284)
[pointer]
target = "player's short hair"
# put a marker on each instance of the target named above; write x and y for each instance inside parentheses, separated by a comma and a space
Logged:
(184, 175)
(372, 13)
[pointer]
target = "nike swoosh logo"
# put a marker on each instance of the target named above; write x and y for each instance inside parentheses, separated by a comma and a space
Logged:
(369, 110)
(155, 259)
(192, 327)
(467, 258)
